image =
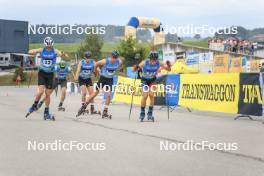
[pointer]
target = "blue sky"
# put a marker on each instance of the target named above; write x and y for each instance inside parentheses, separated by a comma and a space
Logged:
(247, 13)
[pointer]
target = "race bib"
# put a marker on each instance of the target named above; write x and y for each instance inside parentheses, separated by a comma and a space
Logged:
(47, 63)
(111, 72)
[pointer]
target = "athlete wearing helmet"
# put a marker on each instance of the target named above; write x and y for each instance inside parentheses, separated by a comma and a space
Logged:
(84, 74)
(149, 68)
(48, 56)
(108, 71)
(62, 69)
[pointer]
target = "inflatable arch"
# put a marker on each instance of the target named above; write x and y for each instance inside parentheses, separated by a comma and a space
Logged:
(143, 22)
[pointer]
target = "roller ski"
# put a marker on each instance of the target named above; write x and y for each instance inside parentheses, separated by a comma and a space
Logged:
(142, 116)
(93, 111)
(48, 116)
(31, 110)
(82, 110)
(150, 117)
(60, 108)
(105, 115)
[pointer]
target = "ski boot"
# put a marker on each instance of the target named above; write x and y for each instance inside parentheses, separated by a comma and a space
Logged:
(142, 116)
(93, 111)
(31, 109)
(106, 115)
(48, 116)
(39, 105)
(60, 108)
(150, 116)
(82, 110)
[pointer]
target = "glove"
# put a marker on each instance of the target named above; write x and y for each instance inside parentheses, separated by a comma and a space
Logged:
(122, 70)
(168, 63)
(136, 67)
(95, 74)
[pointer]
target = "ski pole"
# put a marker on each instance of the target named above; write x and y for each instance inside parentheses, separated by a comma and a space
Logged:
(132, 98)
(167, 100)
(30, 77)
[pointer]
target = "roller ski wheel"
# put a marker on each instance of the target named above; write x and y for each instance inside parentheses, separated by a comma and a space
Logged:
(151, 117)
(96, 112)
(82, 111)
(141, 117)
(85, 112)
(61, 109)
(106, 116)
(49, 117)
(93, 111)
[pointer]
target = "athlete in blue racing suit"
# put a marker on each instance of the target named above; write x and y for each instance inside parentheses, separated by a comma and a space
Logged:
(108, 71)
(150, 68)
(46, 73)
(62, 69)
(84, 75)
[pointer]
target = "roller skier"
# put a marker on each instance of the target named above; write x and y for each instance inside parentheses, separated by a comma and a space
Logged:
(150, 68)
(108, 71)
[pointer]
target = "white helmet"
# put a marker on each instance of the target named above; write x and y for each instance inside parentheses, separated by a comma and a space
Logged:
(48, 41)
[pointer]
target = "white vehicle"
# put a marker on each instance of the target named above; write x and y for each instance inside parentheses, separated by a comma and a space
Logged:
(12, 60)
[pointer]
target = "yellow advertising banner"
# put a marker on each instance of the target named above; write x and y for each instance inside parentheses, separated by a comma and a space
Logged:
(210, 92)
(126, 86)
(221, 63)
(236, 65)
(145, 22)
(254, 65)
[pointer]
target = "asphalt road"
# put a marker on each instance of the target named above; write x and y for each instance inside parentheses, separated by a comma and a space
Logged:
(126, 147)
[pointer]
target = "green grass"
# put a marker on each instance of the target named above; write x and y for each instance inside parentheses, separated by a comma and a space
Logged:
(7, 80)
(67, 47)
(73, 47)
(108, 47)
(198, 43)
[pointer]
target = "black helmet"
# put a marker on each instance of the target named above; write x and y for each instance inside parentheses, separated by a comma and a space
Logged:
(153, 55)
(115, 54)
(87, 54)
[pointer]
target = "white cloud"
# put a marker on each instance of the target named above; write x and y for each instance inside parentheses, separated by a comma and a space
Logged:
(189, 11)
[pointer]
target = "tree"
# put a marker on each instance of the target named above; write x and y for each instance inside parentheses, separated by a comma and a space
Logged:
(197, 36)
(171, 38)
(143, 35)
(19, 72)
(129, 48)
(92, 43)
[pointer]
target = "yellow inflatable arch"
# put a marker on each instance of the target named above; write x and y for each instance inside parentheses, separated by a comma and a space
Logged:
(143, 22)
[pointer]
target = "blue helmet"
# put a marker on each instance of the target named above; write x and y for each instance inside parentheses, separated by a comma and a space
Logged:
(153, 55)
(87, 54)
(115, 54)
